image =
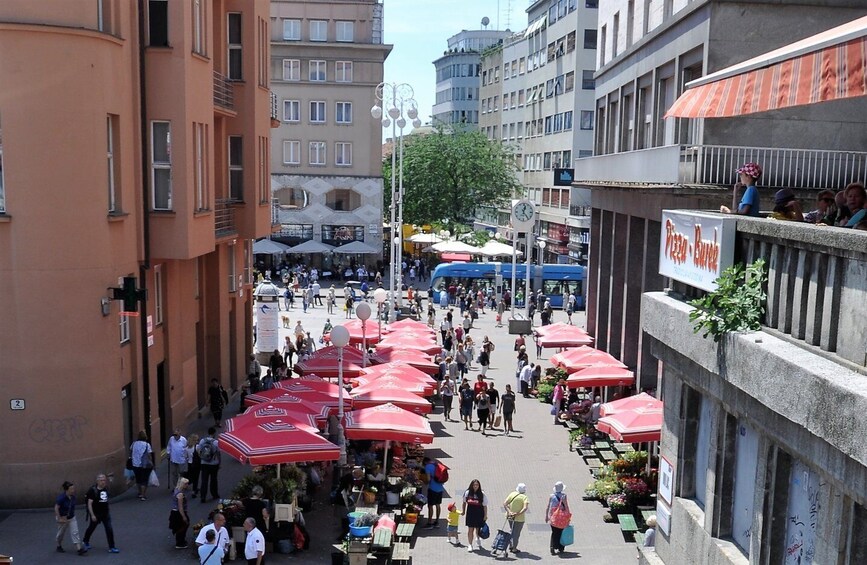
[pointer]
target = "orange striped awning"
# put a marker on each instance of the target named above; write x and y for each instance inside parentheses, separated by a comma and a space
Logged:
(827, 66)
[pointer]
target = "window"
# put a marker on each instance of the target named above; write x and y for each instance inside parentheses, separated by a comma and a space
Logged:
(520, 98)
(567, 122)
(291, 152)
(343, 71)
(316, 72)
(587, 119)
(343, 112)
(291, 69)
(630, 22)
(522, 65)
(124, 329)
(292, 30)
(233, 279)
(158, 294)
(318, 30)
(549, 125)
(158, 23)
(345, 31)
(317, 112)
(234, 41)
(589, 39)
(112, 165)
(161, 165)
(343, 154)
(549, 88)
(602, 45)
(591, 4)
(236, 167)
(264, 179)
(199, 27)
(291, 110)
(317, 152)
(570, 81)
(615, 32)
(570, 41)
(342, 200)
(248, 261)
(200, 168)
(587, 80)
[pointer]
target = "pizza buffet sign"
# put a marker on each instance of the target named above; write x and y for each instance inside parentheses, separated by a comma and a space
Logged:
(695, 248)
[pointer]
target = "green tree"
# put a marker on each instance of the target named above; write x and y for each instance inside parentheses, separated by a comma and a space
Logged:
(447, 174)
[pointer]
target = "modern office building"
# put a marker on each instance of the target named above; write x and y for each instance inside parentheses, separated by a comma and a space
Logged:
(644, 161)
(135, 141)
(327, 59)
(537, 96)
(458, 77)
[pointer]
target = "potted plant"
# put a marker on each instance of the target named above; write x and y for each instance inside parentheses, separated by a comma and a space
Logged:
(616, 503)
(392, 492)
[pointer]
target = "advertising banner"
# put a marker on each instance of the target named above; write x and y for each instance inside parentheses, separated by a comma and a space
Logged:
(696, 248)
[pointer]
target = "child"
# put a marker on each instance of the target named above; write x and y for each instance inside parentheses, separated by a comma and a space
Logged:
(454, 519)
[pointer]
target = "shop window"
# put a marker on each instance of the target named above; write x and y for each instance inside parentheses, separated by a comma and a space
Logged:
(343, 199)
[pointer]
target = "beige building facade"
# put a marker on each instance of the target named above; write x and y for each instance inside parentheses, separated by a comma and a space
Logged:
(327, 58)
(135, 143)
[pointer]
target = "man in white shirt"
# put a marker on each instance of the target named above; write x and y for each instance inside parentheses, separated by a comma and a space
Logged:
(594, 410)
(177, 452)
(211, 553)
(317, 289)
(526, 378)
(254, 547)
(219, 528)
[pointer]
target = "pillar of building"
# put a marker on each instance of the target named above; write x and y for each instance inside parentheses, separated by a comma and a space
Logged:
(619, 260)
(603, 285)
(592, 293)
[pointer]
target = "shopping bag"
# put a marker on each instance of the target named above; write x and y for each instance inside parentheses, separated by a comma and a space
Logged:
(485, 531)
(153, 481)
(567, 537)
(497, 421)
(560, 517)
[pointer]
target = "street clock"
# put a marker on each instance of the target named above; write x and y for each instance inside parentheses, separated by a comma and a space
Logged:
(523, 216)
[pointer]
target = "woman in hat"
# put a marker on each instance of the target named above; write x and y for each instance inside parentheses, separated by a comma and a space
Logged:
(557, 500)
(787, 207)
(750, 202)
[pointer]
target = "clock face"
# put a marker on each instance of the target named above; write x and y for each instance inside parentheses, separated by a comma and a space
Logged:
(524, 212)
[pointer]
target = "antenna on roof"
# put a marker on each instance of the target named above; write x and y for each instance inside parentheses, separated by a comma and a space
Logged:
(508, 15)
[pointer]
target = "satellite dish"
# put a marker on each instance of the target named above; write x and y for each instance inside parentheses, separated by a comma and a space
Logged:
(485, 21)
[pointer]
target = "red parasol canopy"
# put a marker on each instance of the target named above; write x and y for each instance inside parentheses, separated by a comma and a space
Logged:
(409, 325)
(387, 423)
(409, 341)
(409, 357)
(570, 336)
(302, 392)
(324, 363)
(545, 330)
(271, 413)
(633, 426)
(293, 403)
(600, 376)
(272, 443)
(558, 359)
(593, 358)
(642, 400)
(415, 386)
(310, 381)
(357, 335)
(396, 395)
(400, 370)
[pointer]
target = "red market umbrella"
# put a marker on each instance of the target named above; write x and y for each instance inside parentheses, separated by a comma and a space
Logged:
(633, 426)
(357, 335)
(292, 403)
(271, 413)
(310, 381)
(304, 393)
(387, 422)
(394, 394)
(418, 387)
(545, 330)
(324, 363)
(409, 357)
(424, 345)
(400, 370)
(642, 400)
(558, 359)
(273, 443)
(411, 326)
(570, 336)
(593, 358)
(601, 376)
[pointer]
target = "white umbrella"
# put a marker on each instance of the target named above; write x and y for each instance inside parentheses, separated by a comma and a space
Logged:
(269, 247)
(311, 247)
(424, 238)
(455, 247)
(494, 248)
(355, 247)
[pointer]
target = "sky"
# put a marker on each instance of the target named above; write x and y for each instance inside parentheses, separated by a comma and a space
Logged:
(418, 29)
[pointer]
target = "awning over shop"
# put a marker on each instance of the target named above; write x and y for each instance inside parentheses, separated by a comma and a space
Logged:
(827, 66)
(538, 25)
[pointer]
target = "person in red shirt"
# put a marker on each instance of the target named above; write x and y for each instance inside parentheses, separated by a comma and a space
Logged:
(480, 385)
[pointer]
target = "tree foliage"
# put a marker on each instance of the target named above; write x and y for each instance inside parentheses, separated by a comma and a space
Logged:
(446, 175)
(737, 304)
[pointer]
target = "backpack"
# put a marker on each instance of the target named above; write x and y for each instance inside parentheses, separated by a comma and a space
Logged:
(208, 451)
(441, 473)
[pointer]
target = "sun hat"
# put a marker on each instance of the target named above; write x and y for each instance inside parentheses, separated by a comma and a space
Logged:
(752, 169)
(783, 196)
(521, 488)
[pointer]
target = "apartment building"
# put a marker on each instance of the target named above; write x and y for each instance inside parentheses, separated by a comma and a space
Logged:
(327, 58)
(644, 161)
(537, 95)
(124, 155)
(458, 77)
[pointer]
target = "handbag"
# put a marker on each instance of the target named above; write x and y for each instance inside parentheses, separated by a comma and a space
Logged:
(129, 463)
(485, 531)
(560, 517)
(568, 535)
(497, 421)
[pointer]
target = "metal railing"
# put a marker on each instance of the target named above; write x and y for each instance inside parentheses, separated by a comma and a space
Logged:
(224, 92)
(782, 167)
(275, 212)
(274, 107)
(224, 217)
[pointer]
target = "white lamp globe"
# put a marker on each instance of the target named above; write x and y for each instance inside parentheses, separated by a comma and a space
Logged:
(412, 113)
(386, 122)
(379, 295)
(376, 112)
(542, 245)
(397, 240)
(401, 123)
(339, 336)
(362, 311)
(394, 112)
(416, 123)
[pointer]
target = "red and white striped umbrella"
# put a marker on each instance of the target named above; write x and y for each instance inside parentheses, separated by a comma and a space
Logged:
(633, 426)
(272, 443)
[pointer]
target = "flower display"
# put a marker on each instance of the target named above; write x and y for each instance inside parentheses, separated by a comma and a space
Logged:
(616, 501)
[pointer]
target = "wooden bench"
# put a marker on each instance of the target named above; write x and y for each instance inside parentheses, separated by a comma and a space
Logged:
(382, 538)
(622, 448)
(405, 531)
(606, 455)
(627, 523)
(639, 538)
(594, 465)
(400, 552)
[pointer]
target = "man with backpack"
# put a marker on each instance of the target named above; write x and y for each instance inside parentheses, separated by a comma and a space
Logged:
(209, 453)
(439, 475)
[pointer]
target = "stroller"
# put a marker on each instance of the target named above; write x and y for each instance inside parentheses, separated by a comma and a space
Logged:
(502, 540)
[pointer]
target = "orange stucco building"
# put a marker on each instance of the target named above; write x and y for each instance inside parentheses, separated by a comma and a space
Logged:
(134, 142)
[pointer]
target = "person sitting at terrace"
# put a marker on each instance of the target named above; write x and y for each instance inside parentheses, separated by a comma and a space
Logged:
(787, 207)
(750, 202)
(856, 199)
(826, 209)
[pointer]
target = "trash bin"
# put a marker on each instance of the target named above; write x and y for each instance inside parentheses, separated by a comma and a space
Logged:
(518, 326)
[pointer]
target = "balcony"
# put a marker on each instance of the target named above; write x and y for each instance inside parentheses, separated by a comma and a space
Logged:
(715, 165)
(224, 218)
(275, 119)
(224, 92)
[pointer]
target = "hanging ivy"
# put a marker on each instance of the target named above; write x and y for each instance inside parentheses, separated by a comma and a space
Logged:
(738, 303)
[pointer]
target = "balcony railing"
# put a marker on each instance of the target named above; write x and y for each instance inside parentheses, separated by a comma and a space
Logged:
(224, 218)
(275, 119)
(224, 92)
(275, 212)
(716, 165)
